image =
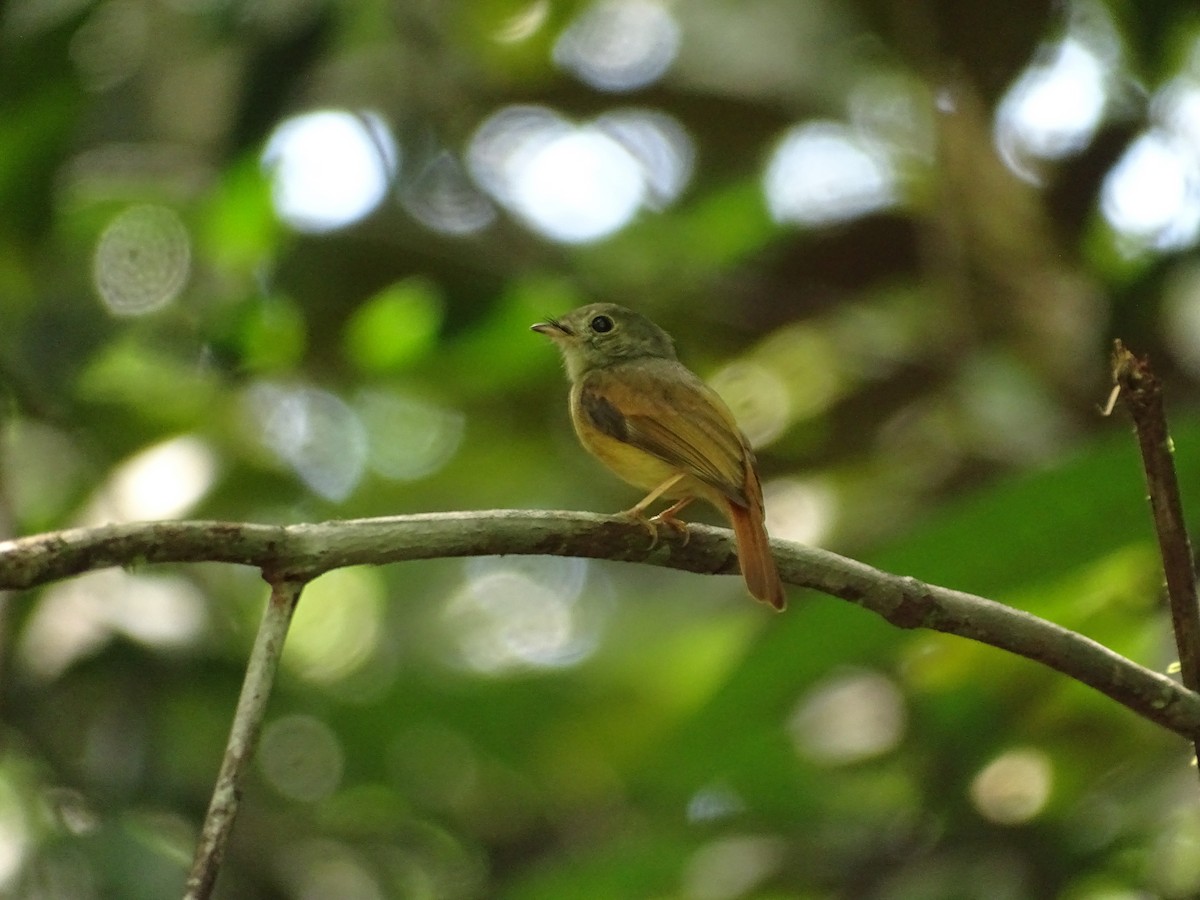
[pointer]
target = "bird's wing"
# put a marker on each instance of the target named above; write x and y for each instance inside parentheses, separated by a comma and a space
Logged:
(661, 407)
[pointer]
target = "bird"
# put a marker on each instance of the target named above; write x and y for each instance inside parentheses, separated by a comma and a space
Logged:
(655, 424)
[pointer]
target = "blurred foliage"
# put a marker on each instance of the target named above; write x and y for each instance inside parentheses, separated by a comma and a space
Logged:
(923, 377)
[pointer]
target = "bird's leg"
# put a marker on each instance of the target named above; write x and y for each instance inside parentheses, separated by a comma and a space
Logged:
(637, 512)
(667, 517)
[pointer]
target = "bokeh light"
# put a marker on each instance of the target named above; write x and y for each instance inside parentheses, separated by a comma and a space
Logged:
(142, 260)
(1053, 109)
(1014, 787)
(313, 431)
(1151, 197)
(330, 168)
(513, 614)
(714, 802)
(821, 173)
(408, 438)
(579, 186)
(337, 628)
(619, 45)
(849, 717)
(523, 23)
(161, 482)
(301, 757)
(757, 397)
(440, 195)
(732, 867)
(662, 147)
(810, 365)
(319, 870)
(53, 469)
(579, 183)
(78, 617)
(801, 510)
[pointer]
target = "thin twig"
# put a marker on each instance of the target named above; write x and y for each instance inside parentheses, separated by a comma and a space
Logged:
(1141, 390)
(243, 737)
(301, 552)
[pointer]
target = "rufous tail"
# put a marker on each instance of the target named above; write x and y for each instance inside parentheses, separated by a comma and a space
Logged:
(754, 554)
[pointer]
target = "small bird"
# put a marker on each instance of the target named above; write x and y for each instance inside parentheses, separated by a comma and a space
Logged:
(656, 425)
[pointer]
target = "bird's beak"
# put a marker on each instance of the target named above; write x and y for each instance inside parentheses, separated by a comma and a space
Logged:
(551, 328)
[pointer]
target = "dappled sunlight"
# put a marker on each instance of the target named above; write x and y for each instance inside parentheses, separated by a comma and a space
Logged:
(1053, 110)
(421, 860)
(315, 432)
(408, 438)
(579, 183)
(822, 173)
(440, 195)
(1151, 196)
(848, 718)
(165, 481)
(1014, 787)
(523, 23)
(320, 870)
(895, 110)
(273, 264)
(512, 614)
(142, 260)
(801, 510)
(806, 361)
(51, 465)
(301, 757)
(714, 802)
(619, 45)
(758, 399)
(1056, 106)
(76, 618)
(662, 147)
(337, 628)
(330, 168)
(732, 867)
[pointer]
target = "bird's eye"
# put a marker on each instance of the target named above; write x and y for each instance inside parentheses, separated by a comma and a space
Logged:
(602, 324)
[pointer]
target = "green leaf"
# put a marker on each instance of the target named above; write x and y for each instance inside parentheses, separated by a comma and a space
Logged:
(396, 327)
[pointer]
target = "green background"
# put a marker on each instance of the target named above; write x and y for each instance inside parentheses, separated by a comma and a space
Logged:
(547, 728)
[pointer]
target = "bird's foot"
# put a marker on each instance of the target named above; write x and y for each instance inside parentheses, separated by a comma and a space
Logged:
(650, 524)
(668, 518)
(665, 518)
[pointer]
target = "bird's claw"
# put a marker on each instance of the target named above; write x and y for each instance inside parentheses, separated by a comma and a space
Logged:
(649, 524)
(679, 526)
(665, 518)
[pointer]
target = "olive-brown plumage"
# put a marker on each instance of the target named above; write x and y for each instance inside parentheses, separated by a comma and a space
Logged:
(656, 425)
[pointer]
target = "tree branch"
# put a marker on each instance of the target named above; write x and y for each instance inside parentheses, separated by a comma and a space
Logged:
(301, 552)
(1134, 381)
(1142, 392)
(243, 738)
